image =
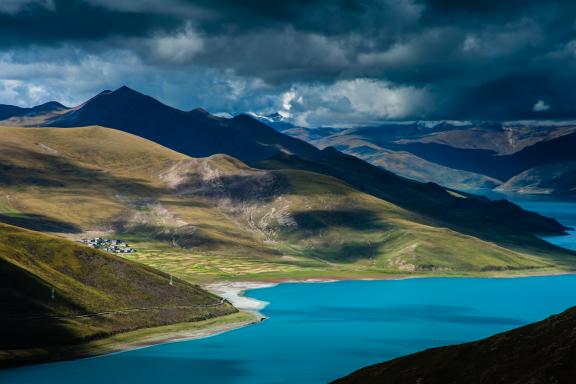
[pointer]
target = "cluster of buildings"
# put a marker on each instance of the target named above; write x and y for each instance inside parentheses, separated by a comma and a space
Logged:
(110, 245)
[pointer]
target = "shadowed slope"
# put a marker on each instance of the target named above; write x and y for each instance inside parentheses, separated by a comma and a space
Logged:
(428, 198)
(539, 353)
(459, 211)
(195, 133)
(57, 293)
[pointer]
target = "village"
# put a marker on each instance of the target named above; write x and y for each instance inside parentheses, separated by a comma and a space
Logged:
(109, 245)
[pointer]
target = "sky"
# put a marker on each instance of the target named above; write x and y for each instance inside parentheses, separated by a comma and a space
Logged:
(318, 62)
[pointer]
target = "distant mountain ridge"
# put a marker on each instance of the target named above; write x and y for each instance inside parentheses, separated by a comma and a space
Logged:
(195, 133)
(9, 111)
(461, 155)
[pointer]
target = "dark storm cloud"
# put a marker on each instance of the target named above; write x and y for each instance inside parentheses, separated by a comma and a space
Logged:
(61, 21)
(395, 59)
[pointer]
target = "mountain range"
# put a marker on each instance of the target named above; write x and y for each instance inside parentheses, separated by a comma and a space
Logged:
(205, 198)
(515, 156)
(268, 210)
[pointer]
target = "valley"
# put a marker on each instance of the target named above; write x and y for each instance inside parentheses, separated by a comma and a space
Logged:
(196, 214)
(280, 192)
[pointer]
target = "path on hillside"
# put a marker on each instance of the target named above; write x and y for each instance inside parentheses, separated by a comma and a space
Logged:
(119, 311)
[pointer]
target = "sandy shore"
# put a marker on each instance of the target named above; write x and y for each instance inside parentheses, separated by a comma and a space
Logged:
(266, 282)
(233, 291)
(176, 332)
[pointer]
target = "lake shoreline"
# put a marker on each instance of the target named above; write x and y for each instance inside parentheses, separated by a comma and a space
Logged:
(233, 291)
(131, 340)
(273, 281)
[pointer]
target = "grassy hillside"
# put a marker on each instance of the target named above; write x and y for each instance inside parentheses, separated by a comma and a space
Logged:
(219, 218)
(490, 220)
(539, 353)
(58, 294)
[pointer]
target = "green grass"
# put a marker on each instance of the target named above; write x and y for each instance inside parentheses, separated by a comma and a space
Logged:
(217, 218)
(84, 281)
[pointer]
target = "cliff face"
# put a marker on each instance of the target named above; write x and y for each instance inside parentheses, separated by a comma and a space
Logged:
(539, 353)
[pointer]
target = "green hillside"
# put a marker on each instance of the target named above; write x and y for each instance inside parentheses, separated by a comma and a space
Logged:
(216, 217)
(58, 295)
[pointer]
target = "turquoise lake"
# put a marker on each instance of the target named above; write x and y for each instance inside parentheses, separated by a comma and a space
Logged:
(565, 212)
(318, 332)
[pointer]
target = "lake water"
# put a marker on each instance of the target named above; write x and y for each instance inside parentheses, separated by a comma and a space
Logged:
(319, 332)
(564, 211)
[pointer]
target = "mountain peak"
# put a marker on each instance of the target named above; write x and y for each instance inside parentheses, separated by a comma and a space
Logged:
(200, 111)
(120, 97)
(330, 151)
(49, 106)
(245, 117)
(124, 90)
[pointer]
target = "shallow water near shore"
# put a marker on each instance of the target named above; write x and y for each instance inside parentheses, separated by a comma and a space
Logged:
(319, 332)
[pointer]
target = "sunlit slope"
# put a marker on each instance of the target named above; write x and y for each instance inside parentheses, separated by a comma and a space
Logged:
(335, 222)
(281, 222)
(75, 180)
(57, 293)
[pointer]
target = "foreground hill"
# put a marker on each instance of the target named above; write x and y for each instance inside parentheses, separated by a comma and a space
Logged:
(539, 353)
(218, 217)
(58, 295)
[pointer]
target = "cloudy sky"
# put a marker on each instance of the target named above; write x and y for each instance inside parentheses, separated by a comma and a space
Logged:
(321, 62)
